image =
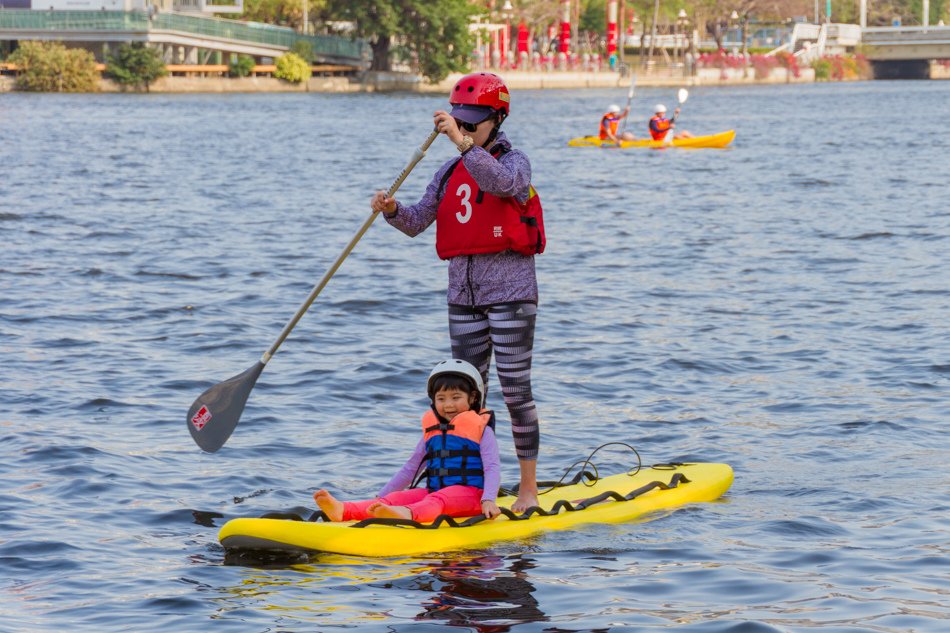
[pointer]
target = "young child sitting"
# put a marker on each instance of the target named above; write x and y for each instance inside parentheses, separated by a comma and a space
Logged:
(458, 451)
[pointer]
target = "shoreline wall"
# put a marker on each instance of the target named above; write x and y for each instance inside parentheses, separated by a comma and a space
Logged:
(375, 81)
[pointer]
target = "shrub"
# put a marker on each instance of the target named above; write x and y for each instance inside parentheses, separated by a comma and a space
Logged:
(291, 67)
(822, 69)
(841, 68)
(51, 67)
(242, 66)
(136, 65)
(789, 62)
(763, 65)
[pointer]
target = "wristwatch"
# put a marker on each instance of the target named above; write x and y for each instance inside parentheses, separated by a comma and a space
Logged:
(466, 144)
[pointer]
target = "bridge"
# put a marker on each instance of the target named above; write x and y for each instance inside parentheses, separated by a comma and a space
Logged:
(901, 52)
(183, 39)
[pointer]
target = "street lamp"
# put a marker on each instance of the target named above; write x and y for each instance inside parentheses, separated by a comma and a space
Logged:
(507, 10)
(733, 22)
(682, 24)
(682, 21)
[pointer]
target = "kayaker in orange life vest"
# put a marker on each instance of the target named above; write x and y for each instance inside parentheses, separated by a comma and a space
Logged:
(660, 125)
(457, 452)
(610, 122)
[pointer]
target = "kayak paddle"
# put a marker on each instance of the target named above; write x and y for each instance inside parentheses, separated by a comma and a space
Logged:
(633, 84)
(213, 416)
(682, 95)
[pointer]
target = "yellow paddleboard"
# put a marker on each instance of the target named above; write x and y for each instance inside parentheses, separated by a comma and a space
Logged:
(651, 489)
(697, 142)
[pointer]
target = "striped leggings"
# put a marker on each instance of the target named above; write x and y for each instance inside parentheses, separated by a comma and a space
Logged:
(508, 328)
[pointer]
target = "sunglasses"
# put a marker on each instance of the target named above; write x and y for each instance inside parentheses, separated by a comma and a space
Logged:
(465, 125)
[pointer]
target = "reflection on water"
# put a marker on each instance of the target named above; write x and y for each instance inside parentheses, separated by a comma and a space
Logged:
(487, 593)
(482, 592)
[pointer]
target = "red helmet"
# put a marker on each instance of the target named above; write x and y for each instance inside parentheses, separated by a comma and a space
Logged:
(481, 89)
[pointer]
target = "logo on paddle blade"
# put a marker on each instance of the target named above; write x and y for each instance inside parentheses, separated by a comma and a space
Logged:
(202, 417)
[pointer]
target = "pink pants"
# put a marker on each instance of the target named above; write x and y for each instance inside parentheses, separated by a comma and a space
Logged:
(455, 501)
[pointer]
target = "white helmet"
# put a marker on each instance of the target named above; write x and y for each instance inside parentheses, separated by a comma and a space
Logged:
(461, 368)
(613, 108)
(660, 108)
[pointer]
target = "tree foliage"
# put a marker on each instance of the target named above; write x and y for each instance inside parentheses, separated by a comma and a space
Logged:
(51, 67)
(282, 12)
(431, 36)
(135, 64)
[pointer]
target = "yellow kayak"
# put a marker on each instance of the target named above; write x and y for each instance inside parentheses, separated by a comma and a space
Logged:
(711, 141)
(613, 499)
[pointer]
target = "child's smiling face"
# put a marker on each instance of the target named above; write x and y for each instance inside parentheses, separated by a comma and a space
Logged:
(450, 402)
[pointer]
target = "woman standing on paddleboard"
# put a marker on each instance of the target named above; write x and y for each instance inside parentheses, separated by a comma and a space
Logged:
(488, 227)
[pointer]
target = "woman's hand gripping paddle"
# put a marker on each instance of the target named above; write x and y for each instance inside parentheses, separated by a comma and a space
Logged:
(682, 95)
(213, 416)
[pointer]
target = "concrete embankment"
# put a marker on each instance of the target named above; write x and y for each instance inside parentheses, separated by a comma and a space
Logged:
(516, 80)
(405, 82)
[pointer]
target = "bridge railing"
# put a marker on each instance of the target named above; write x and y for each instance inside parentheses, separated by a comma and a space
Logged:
(326, 46)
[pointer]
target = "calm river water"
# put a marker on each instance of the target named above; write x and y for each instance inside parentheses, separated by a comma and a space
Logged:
(781, 306)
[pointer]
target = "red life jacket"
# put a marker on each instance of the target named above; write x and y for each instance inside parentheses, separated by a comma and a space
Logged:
(659, 127)
(611, 122)
(470, 221)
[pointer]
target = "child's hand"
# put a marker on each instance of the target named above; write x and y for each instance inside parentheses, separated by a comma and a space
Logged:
(490, 509)
(382, 202)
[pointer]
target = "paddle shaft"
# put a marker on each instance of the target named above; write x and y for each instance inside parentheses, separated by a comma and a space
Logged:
(623, 126)
(681, 97)
(416, 157)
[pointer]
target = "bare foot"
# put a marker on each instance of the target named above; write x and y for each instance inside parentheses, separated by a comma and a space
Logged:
(331, 507)
(524, 501)
(527, 486)
(382, 511)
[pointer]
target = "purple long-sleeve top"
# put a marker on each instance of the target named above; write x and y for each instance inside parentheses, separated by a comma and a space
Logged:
(490, 278)
(491, 464)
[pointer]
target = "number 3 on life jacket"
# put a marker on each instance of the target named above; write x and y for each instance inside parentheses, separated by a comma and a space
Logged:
(470, 221)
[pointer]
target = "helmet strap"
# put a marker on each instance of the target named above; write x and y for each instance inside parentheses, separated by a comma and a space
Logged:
(499, 119)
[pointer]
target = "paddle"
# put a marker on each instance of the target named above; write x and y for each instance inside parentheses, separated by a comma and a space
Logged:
(682, 95)
(213, 416)
(633, 84)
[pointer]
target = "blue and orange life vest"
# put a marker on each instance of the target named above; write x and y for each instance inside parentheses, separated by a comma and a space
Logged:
(611, 122)
(659, 126)
(470, 221)
(453, 456)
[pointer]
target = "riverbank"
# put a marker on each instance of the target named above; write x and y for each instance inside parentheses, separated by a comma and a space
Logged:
(406, 82)
(516, 80)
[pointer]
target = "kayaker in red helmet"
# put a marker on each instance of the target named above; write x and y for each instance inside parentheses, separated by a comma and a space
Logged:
(660, 125)
(479, 204)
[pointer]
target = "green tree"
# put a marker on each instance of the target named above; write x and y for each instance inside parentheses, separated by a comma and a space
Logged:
(51, 67)
(291, 67)
(135, 65)
(430, 35)
(303, 49)
(242, 66)
(282, 12)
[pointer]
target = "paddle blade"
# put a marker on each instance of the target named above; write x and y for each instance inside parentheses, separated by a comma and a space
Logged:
(682, 95)
(213, 416)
